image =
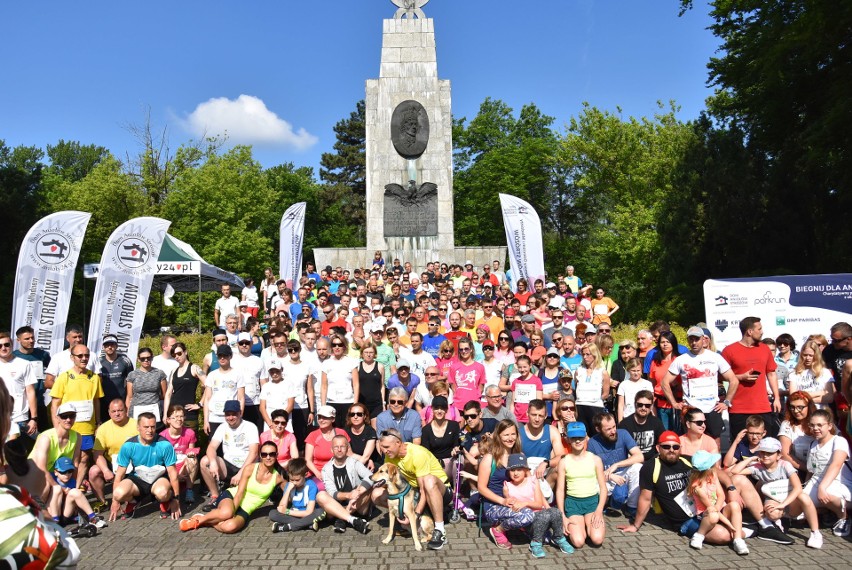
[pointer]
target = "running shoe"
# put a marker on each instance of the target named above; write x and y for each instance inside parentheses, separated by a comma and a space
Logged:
(281, 527)
(740, 547)
(361, 525)
(563, 545)
(773, 534)
(97, 521)
(500, 539)
(315, 525)
(437, 541)
(165, 512)
(340, 526)
(537, 550)
(189, 496)
(99, 506)
(815, 540)
(210, 505)
(129, 510)
(191, 523)
(842, 527)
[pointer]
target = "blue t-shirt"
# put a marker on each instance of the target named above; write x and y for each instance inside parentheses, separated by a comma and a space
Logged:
(572, 363)
(488, 426)
(413, 382)
(431, 344)
(612, 452)
(302, 496)
(149, 461)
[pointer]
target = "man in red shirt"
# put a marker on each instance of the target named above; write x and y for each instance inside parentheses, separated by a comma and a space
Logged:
(754, 365)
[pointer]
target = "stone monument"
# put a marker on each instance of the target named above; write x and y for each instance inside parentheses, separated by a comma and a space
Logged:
(409, 152)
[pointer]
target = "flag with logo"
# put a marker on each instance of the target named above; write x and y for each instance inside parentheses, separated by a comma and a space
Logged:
(292, 235)
(127, 269)
(45, 277)
(523, 236)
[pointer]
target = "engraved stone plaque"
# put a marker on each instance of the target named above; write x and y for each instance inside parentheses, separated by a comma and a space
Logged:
(411, 211)
(410, 129)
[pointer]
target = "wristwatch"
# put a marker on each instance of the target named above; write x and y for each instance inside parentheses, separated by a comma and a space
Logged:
(727, 403)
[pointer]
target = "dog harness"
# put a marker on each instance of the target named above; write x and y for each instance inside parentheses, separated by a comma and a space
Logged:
(399, 496)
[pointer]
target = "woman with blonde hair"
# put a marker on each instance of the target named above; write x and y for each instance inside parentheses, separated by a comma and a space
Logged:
(592, 384)
(812, 376)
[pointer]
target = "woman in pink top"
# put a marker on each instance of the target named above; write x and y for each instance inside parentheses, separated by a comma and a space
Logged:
(466, 376)
(446, 358)
(286, 441)
(184, 441)
(525, 388)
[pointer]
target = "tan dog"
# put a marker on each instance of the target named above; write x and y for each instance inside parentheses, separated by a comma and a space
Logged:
(389, 476)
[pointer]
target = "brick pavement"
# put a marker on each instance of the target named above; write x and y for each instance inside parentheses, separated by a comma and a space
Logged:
(146, 542)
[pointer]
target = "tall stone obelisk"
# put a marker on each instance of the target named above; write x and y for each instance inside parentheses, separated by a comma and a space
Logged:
(409, 145)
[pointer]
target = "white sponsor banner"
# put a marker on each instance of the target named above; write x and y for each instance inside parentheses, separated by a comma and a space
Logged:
(292, 236)
(45, 277)
(523, 236)
(127, 269)
(800, 305)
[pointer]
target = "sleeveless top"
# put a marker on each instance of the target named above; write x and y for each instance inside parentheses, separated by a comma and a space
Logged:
(581, 478)
(540, 447)
(523, 492)
(370, 386)
(257, 347)
(214, 362)
(54, 452)
(256, 493)
(495, 482)
(184, 387)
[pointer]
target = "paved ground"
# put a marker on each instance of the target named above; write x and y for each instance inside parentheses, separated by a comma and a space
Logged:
(148, 542)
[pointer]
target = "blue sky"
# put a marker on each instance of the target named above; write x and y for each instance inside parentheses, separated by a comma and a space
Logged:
(85, 70)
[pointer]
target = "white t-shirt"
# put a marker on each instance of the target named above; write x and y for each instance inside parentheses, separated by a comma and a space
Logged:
(226, 307)
(801, 442)
(276, 395)
(167, 365)
(819, 457)
(236, 441)
(700, 373)
(296, 377)
(807, 382)
(339, 375)
(61, 362)
(589, 387)
(18, 374)
(419, 362)
(270, 355)
(250, 295)
(224, 386)
(493, 368)
(252, 370)
(629, 389)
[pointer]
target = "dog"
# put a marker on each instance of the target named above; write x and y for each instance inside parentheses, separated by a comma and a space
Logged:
(388, 475)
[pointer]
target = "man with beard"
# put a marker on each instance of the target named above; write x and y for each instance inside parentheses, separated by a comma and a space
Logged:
(622, 461)
(644, 426)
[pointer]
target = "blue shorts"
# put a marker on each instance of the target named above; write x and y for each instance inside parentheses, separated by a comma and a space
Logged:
(87, 442)
(580, 506)
(689, 527)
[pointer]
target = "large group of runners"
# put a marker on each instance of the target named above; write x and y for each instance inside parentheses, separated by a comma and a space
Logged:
(509, 404)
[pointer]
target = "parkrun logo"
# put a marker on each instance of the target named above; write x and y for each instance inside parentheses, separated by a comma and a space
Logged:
(768, 299)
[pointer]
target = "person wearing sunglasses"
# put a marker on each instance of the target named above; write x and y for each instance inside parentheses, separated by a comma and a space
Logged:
(400, 417)
(21, 382)
(339, 388)
(696, 437)
(238, 502)
(254, 375)
(183, 384)
(221, 385)
(145, 387)
(51, 444)
(81, 388)
(643, 425)
(283, 439)
(276, 395)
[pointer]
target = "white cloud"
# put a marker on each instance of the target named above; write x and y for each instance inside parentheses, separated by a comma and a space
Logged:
(246, 120)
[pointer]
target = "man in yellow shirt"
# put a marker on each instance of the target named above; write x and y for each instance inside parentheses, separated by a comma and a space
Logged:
(109, 438)
(81, 388)
(424, 473)
(495, 323)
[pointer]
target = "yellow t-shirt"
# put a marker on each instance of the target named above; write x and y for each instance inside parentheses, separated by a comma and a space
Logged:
(418, 462)
(110, 437)
(83, 391)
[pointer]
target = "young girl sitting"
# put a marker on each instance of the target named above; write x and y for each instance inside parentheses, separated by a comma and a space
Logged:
(525, 492)
(780, 486)
(68, 498)
(709, 497)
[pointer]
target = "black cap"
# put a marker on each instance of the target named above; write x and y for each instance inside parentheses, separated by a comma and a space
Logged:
(440, 402)
(224, 350)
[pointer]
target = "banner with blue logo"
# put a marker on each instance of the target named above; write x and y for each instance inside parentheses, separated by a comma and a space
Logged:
(800, 305)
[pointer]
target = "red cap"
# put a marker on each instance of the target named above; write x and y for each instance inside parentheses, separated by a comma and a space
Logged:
(510, 312)
(669, 437)
(488, 342)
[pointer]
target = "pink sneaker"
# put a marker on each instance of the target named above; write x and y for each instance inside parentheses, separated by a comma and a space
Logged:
(500, 539)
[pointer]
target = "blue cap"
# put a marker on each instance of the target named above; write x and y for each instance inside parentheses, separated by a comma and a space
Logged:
(576, 429)
(63, 464)
(704, 460)
(517, 461)
(231, 406)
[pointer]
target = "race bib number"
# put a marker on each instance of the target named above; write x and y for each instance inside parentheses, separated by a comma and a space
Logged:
(524, 394)
(150, 408)
(38, 369)
(84, 409)
(686, 503)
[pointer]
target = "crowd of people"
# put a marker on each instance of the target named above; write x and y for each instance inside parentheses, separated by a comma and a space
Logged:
(510, 404)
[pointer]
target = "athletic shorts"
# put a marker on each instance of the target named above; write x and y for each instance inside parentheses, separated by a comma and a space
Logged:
(143, 486)
(87, 442)
(230, 470)
(835, 489)
(575, 506)
(239, 512)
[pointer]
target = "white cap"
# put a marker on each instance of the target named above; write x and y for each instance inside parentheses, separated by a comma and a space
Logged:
(65, 408)
(243, 336)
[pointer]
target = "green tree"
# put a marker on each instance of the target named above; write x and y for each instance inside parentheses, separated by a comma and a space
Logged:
(344, 173)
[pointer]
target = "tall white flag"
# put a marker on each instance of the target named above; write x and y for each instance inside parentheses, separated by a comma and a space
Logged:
(523, 236)
(45, 277)
(127, 270)
(292, 236)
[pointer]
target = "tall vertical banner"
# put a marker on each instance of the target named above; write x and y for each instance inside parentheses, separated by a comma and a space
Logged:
(523, 236)
(292, 236)
(127, 270)
(45, 277)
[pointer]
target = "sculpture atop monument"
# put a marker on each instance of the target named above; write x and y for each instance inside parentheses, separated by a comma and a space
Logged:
(410, 9)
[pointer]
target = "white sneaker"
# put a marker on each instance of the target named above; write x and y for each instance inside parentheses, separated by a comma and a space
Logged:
(748, 532)
(815, 541)
(740, 547)
(697, 541)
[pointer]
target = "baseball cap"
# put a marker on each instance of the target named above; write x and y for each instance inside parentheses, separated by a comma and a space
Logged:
(517, 461)
(553, 352)
(231, 406)
(704, 460)
(275, 364)
(402, 363)
(468, 262)
(440, 402)
(695, 331)
(576, 429)
(224, 350)
(550, 285)
(488, 342)
(66, 408)
(769, 445)
(243, 336)
(471, 299)
(110, 338)
(327, 412)
(510, 312)
(63, 464)
(669, 437)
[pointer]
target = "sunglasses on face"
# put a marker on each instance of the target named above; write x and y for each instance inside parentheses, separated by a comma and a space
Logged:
(356, 414)
(178, 353)
(568, 408)
(396, 402)
(336, 345)
(267, 454)
(5, 345)
(638, 405)
(698, 422)
(68, 416)
(244, 343)
(471, 416)
(146, 358)
(669, 447)
(279, 422)
(82, 356)
(279, 344)
(294, 350)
